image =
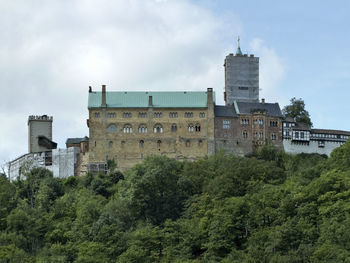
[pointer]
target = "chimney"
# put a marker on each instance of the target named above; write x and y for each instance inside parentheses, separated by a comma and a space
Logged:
(150, 101)
(210, 97)
(263, 101)
(103, 96)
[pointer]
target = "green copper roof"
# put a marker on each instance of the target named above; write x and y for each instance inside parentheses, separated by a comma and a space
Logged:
(239, 52)
(180, 99)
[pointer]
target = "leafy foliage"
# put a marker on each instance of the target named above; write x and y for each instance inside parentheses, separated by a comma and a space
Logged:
(270, 207)
(297, 111)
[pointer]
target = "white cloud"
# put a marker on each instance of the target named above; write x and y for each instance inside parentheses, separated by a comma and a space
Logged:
(51, 51)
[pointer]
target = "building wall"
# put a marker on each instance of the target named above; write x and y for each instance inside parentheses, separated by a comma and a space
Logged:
(25, 163)
(241, 78)
(38, 125)
(64, 162)
(311, 147)
(234, 139)
(61, 162)
(125, 148)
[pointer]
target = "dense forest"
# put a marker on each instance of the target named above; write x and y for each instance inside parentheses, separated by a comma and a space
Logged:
(267, 207)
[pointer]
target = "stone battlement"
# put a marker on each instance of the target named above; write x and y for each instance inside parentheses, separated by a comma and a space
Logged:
(40, 118)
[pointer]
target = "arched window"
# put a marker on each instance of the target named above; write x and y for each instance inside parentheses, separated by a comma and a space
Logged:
(112, 128)
(142, 143)
(127, 128)
(122, 144)
(245, 134)
(173, 127)
(197, 127)
(188, 143)
(143, 128)
(200, 143)
(190, 128)
(159, 143)
(110, 144)
(158, 128)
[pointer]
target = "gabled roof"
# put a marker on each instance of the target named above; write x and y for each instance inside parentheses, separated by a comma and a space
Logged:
(327, 131)
(77, 140)
(272, 109)
(224, 111)
(179, 99)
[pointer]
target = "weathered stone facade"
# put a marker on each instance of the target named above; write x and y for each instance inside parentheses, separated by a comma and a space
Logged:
(129, 134)
(241, 128)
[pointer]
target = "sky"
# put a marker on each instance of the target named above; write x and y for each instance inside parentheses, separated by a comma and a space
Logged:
(52, 51)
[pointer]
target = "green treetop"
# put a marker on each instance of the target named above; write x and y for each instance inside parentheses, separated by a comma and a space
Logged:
(297, 111)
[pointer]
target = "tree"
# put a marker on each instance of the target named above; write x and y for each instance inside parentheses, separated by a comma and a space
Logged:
(297, 111)
(152, 189)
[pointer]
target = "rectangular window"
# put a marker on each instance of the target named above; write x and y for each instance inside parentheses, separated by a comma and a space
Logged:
(273, 124)
(243, 88)
(188, 114)
(142, 114)
(173, 115)
(97, 115)
(127, 115)
(158, 115)
(111, 115)
(226, 124)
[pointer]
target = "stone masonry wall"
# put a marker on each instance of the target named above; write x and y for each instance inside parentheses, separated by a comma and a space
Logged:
(127, 149)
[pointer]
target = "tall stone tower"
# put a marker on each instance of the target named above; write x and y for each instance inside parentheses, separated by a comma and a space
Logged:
(241, 77)
(40, 134)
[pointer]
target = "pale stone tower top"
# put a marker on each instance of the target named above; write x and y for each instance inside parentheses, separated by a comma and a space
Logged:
(39, 127)
(241, 77)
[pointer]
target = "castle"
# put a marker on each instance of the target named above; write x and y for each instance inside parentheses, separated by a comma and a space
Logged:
(186, 125)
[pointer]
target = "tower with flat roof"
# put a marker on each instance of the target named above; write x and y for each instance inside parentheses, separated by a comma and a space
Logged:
(40, 134)
(241, 77)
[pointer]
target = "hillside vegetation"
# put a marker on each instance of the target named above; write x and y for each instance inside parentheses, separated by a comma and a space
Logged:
(269, 207)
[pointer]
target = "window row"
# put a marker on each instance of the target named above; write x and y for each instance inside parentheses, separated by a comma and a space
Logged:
(157, 128)
(330, 136)
(273, 123)
(258, 121)
(259, 135)
(245, 121)
(188, 143)
(145, 114)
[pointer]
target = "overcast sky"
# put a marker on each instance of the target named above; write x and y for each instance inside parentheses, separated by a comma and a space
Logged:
(51, 51)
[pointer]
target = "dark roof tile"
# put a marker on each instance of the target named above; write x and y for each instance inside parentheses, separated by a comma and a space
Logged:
(77, 140)
(224, 111)
(272, 109)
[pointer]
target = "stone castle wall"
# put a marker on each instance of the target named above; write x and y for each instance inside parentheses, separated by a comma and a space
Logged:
(109, 139)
